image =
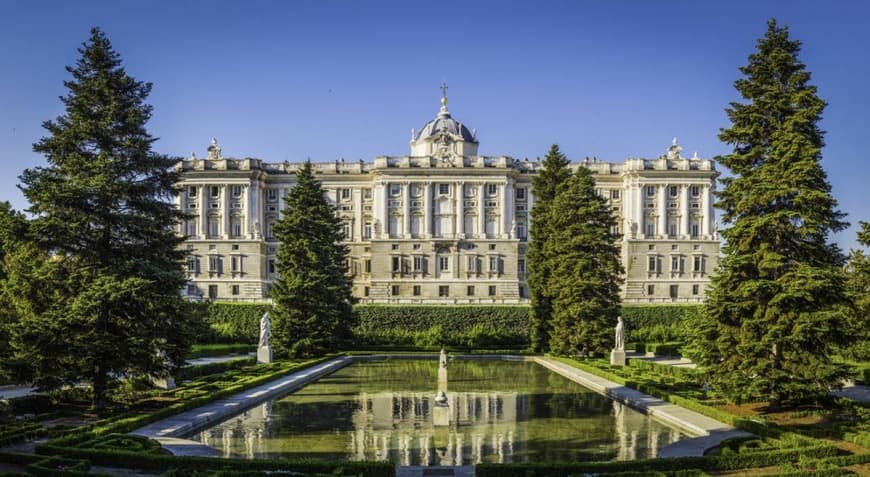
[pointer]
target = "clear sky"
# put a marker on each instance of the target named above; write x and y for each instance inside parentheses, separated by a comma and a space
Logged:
(349, 79)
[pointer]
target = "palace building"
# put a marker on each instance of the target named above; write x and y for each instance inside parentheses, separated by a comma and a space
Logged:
(444, 224)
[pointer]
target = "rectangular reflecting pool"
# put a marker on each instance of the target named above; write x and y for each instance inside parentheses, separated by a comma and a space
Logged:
(495, 411)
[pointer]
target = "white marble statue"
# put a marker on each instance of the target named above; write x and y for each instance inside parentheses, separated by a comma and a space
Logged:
(620, 334)
(265, 330)
(442, 359)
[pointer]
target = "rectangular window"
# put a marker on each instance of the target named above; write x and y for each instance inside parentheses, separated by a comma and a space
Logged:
(191, 192)
(418, 264)
(213, 192)
(650, 290)
(650, 191)
(216, 264)
(614, 194)
(368, 265)
(346, 230)
(394, 290)
(236, 227)
(395, 189)
(367, 231)
(471, 262)
(696, 191)
(443, 290)
(695, 289)
(673, 191)
(521, 266)
(492, 290)
(237, 191)
(397, 264)
(214, 227)
(367, 194)
(345, 194)
(444, 263)
(491, 189)
(366, 291)
(271, 266)
(675, 263)
(470, 290)
(212, 292)
(521, 231)
(521, 193)
(443, 189)
(236, 264)
(235, 289)
(493, 264)
(191, 228)
(672, 229)
(695, 230)
(674, 289)
(698, 263)
(416, 290)
(650, 227)
(652, 262)
(272, 195)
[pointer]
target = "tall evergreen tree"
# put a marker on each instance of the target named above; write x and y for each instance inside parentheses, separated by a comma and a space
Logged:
(13, 230)
(545, 184)
(777, 306)
(99, 295)
(585, 267)
(859, 288)
(313, 301)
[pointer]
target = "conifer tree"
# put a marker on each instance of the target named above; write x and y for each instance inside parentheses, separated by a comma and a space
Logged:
(313, 301)
(859, 288)
(777, 308)
(586, 268)
(544, 187)
(98, 293)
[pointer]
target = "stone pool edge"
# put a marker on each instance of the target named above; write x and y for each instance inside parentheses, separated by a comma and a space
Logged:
(708, 432)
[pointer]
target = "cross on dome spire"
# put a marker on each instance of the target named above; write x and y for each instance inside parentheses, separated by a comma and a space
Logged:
(443, 94)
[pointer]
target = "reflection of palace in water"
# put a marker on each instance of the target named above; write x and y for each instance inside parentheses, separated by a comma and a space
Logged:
(483, 427)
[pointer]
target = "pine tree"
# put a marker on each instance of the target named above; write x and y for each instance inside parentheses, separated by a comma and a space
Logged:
(858, 283)
(313, 301)
(13, 229)
(98, 295)
(585, 268)
(777, 306)
(544, 187)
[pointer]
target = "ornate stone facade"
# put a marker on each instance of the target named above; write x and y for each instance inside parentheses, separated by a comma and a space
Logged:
(445, 225)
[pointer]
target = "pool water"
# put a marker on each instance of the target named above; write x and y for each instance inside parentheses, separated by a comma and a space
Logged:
(497, 411)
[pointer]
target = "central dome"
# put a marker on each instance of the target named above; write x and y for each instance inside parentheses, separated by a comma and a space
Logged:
(444, 123)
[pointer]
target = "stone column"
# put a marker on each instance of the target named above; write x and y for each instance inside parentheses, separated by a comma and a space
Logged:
(379, 200)
(203, 211)
(406, 210)
(282, 193)
(245, 211)
(481, 210)
(427, 209)
(507, 209)
(357, 214)
(706, 212)
(662, 210)
(684, 211)
(225, 213)
(460, 209)
(638, 209)
(530, 203)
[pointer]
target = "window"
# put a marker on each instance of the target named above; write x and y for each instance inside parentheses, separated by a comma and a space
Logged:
(443, 263)
(394, 290)
(368, 265)
(192, 290)
(191, 192)
(698, 263)
(523, 293)
(193, 265)
(416, 290)
(696, 191)
(495, 264)
(491, 189)
(191, 228)
(366, 291)
(237, 191)
(212, 292)
(235, 246)
(214, 227)
(395, 189)
(215, 264)
(345, 194)
(673, 291)
(213, 192)
(236, 227)
(677, 263)
(395, 246)
(443, 290)
(650, 191)
(270, 266)
(614, 194)
(521, 231)
(235, 290)
(471, 262)
(236, 264)
(367, 194)
(492, 290)
(521, 193)
(695, 289)
(443, 189)
(492, 246)
(346, 230)
(270, 229)
(470, 290)
(416, 246)
(521, 266)
(367, 231)
(650, 227)
(652, 264)
(418, 264)
(650, 290)
(672, 228)
(397, 264)
(695, 229)
(673, 191)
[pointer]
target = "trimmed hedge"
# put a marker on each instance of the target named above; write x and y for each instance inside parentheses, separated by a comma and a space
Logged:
(210, 350)
(657, 323)
(234, 322)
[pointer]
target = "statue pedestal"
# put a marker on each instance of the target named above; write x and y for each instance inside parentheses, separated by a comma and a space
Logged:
(264, 354)
(617, 357)
(441, 414)
(442, 378)
(163, 383)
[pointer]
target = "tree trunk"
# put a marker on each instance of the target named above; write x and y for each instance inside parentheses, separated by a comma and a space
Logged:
(99, 385)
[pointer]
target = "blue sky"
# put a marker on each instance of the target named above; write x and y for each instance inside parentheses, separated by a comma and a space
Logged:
(349, 79)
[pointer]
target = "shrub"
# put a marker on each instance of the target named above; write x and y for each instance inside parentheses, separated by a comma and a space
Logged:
(657, 323)
(233, 322)
(210, 350)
